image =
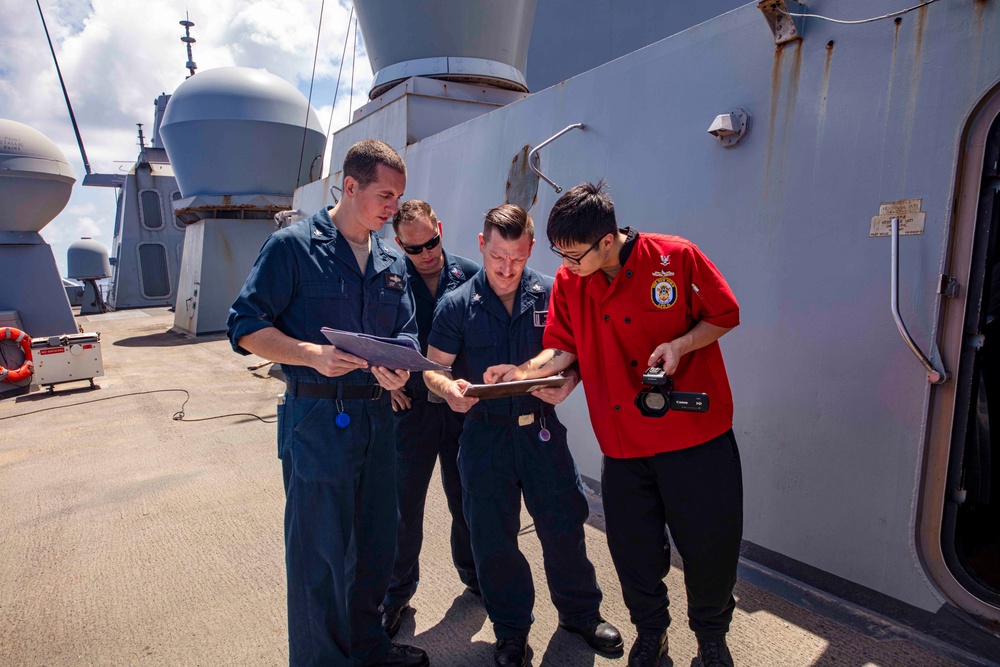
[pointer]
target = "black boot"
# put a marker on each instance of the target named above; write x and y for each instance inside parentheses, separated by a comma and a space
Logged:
(648, 648)
(511, 652)
(713, 652)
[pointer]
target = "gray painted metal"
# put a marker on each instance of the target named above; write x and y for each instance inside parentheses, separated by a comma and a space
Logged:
(35, 184)
(454, 40)
(236, 131)
(144, 224)
(35, 179)
(33, 288)
(74, 292)
(218, 255)
(572, 36)
(87, 258)
(831, 406)
(137, 228)
(432, 106)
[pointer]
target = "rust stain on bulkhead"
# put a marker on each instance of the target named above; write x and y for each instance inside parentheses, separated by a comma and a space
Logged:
(911, 105)
(791, 93)
(772, 114)
(791, 97)
(823, 95)
(824, 91)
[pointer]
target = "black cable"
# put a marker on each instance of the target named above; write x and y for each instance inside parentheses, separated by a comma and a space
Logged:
(177, 416)
(312, 79)
(329, 127)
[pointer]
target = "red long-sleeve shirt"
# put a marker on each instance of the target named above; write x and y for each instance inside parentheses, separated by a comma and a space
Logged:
(665, 287)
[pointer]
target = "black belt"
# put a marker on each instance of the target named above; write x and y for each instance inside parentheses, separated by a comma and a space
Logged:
(334, 390)
(511, 420)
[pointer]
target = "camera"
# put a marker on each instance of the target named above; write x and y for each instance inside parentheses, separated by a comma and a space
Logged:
(659, 397)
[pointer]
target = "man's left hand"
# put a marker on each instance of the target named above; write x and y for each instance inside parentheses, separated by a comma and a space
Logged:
(390, 379)
(400, 401)
(556, 395)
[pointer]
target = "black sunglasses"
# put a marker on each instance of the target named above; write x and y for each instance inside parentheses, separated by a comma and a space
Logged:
(417, 249)
(576, 260)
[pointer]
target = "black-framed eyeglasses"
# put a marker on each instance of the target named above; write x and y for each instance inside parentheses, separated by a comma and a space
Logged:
(576, 260)
(417, 249)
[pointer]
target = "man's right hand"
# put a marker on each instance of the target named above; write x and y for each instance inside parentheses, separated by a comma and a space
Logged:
(331, 362)
(456, 401)
(503, 373)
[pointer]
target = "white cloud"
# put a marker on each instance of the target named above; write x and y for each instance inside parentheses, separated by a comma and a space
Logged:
(117, 56)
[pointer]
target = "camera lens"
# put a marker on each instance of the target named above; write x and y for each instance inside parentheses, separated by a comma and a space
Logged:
(654, 401)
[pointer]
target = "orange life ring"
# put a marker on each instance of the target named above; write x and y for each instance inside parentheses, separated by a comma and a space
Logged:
(28, 367)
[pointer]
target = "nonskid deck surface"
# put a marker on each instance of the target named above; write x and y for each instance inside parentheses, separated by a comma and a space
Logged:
(127, 537)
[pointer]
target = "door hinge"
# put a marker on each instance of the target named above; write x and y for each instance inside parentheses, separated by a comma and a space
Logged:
(947, 285)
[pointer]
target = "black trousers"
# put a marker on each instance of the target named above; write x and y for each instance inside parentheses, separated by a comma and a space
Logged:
(697, 493)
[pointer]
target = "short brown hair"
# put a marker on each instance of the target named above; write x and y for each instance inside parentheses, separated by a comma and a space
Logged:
(510, 221)
(362, 161)
(409, 211)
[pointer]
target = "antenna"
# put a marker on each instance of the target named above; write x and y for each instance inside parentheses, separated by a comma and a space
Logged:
(142, 141)
(72, 116)
(189, 40)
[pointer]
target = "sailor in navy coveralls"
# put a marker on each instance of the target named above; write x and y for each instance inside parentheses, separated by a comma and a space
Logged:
(338, 459)
(426, 428)
(514, 446)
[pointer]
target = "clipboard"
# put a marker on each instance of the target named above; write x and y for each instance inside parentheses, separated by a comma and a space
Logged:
(392, 353)
(515, 388)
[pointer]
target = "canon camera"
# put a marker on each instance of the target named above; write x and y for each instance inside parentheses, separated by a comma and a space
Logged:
(658, 396)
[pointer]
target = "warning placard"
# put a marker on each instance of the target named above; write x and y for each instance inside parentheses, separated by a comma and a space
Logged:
(911, 218)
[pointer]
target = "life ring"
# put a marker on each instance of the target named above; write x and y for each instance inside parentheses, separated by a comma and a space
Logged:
(28, 367)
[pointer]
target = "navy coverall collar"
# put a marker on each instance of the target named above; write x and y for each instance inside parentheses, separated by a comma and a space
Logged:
(324, 231)
(528, 291)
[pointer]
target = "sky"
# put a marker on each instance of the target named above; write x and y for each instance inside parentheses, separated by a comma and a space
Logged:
(117, 56)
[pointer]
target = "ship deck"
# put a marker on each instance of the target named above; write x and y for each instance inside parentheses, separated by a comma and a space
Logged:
(131, 538)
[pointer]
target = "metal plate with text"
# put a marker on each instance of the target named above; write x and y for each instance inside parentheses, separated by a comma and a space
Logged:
(911, 218)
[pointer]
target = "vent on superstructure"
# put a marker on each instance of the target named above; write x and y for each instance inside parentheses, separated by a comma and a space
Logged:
(152, 213)
(154, 277)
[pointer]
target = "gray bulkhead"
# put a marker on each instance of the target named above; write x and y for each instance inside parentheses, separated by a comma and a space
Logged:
(831, 407)
(148, 239)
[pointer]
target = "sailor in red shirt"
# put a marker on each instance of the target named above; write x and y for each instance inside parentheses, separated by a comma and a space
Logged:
(623, 302)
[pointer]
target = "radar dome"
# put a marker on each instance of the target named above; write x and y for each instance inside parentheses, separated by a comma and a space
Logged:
(35, 178)
(87, 259)
(482, 42)
(239, 131)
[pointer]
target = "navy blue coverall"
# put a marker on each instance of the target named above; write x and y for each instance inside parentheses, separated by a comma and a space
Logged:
(427, 431)
(340, 501)
(501, 457)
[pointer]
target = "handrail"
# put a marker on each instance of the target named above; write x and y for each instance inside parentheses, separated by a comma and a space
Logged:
(934, 376)
(533, 155)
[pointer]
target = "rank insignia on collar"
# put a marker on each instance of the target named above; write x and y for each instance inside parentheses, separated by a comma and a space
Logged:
(476, 298)
(536, 288)
(664, 260)
(317, 233)
(394, 281)
(664, 293)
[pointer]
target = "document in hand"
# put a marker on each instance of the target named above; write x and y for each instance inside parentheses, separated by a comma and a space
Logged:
(515, 388)
(392, 353)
